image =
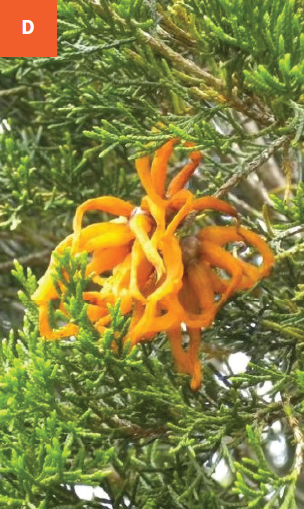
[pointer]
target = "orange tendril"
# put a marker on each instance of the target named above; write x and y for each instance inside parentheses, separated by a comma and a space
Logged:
(164, 283)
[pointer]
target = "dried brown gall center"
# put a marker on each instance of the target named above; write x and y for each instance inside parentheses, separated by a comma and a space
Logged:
(190, 247)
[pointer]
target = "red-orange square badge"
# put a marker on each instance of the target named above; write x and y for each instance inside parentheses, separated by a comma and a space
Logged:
(28, 28)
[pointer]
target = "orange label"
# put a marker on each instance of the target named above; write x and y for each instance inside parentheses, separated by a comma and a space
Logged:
(28, 28)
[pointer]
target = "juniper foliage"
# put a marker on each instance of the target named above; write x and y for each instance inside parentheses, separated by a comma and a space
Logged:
(130, 74)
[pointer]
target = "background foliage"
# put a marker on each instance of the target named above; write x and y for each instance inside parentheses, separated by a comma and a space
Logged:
(228, 75)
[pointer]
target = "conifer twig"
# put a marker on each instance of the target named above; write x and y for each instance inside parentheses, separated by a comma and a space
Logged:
(252, 166)
(182, 63)
(285, 331)
(245, 107)
(177, 32)
(189, 66)
(298, 437)
(39, 258)
(165, 50)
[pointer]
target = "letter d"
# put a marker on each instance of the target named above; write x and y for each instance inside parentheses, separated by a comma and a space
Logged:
(24, 29)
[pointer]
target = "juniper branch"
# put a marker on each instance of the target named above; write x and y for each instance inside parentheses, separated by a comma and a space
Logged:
(299, 439)
(38, 258)
(285, 331)
(181, 62)
(251, 166)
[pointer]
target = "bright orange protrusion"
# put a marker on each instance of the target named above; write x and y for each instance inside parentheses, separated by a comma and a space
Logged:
(162, 281)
